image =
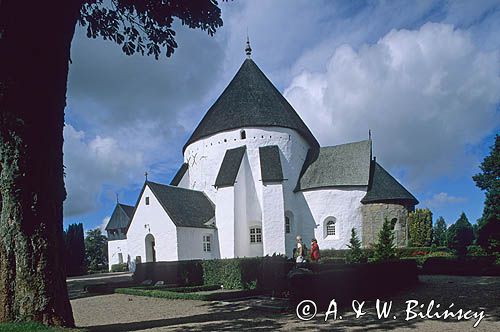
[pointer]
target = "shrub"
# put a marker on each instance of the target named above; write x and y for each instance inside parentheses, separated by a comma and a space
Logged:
(234, 273)
(460, 235)
(119, 267)
(476, 250)
(178, 273)
(384, 248)
(176, 295)
(474, 265)
(355, 254)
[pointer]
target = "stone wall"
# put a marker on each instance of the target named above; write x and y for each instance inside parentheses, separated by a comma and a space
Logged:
(373, 216)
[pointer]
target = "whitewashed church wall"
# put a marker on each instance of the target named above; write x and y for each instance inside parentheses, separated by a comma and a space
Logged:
(115, 248)
(152, 219)
(341, 205)
(273, 219)
(190, 242)
(240, 208)
(224, 220)
(205, 156)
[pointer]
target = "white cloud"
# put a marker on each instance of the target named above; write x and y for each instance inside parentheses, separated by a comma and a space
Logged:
(92, 164)
(426, 95)
(104, 223)
(442, 199)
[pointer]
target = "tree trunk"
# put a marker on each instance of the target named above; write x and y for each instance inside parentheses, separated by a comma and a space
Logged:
(35, 39)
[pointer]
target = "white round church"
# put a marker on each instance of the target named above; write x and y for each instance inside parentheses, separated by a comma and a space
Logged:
(253, 178)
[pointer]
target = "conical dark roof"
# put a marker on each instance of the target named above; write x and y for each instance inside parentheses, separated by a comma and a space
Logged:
(383, 188)
(250, 100)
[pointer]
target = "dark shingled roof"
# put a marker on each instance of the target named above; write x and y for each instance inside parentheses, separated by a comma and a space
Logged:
(229, 168)
(180, 173)
(250, 100)
(340, 165)
(121, 217)
(186, 207)
(270, 164)
(383, 187)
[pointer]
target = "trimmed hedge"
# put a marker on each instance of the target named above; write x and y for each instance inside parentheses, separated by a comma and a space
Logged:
(177, 295)
(467, 266)
(266, 273)
(351, 281)
(177, 273)
(232, 273)
(119, 267)
(341, 254)
(180, 289)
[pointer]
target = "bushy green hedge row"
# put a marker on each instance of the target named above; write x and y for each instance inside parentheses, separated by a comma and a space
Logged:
(119, 267)
(188, 289)
(178, 295)
(232, 273)
(268, 273)
(473, 265)
(332, 254)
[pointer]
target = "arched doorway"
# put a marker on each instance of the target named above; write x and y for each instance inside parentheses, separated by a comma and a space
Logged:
(150, 248)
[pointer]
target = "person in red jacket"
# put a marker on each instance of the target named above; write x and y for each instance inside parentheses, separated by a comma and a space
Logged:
(314, 251)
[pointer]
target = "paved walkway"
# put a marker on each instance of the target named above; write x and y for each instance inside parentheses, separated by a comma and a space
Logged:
(116, 312)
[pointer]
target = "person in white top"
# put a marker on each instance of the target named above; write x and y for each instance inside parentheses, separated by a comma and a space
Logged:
(299, 252)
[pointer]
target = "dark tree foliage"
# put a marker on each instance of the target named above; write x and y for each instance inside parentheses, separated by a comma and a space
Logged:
(385, 249)
(460, 235)
(75, 250)
(420, 228)
(355, 254)
(96, 250)
(146, 26)
(488, 226)
(439, 233)
(35, 44)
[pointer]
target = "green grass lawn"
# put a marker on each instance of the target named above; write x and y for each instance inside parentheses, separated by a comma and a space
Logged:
(24, 327)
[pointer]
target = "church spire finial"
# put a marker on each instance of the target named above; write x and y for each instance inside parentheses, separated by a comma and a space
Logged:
(248, 49)
(146, 175)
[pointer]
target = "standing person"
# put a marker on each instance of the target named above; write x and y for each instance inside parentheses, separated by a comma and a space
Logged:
(301, 251)
(314, 251)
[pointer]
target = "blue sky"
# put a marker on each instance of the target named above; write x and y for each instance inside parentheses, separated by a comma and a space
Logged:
(424, 76)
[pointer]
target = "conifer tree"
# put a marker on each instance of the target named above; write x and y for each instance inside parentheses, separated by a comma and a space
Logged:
(420, 228)
(384, 248)
(488, 226)
(439, 232)
(460, 235)
(75, 250)
(355, 254)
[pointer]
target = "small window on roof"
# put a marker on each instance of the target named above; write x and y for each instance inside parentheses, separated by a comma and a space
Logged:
(147, 200)
(243, 134)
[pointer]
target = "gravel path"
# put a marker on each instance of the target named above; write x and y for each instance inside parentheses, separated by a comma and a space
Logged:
(118, 312)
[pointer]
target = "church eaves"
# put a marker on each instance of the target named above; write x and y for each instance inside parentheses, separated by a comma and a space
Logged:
(250, 100)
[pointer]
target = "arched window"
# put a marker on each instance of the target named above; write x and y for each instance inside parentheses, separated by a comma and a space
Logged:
(243, 134)
(288, 226)
(330, 227)
(393, 223)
